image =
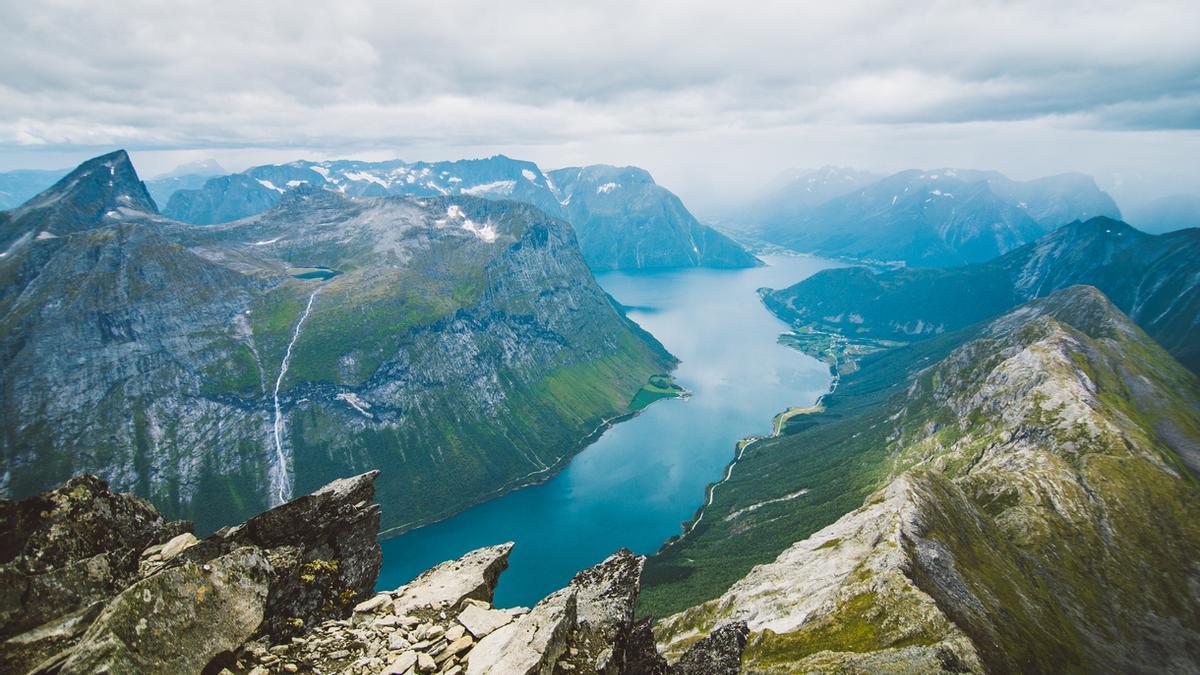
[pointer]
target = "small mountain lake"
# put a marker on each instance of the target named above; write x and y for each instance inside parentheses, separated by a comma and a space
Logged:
(322, 273)
(635, 485)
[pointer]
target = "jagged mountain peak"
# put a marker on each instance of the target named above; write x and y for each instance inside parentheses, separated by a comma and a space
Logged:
(103, 188)
(107, 182)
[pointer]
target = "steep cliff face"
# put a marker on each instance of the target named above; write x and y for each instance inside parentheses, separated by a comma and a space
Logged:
(627, 221)
(216, 370)
(1011, 534)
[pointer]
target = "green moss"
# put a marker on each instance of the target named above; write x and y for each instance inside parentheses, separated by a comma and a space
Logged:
(859, 624)
(314, 570)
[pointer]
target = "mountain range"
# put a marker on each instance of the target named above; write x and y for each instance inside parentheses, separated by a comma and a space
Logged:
(932, 218)
(625, 220)
(1154, 278)
(220, 369)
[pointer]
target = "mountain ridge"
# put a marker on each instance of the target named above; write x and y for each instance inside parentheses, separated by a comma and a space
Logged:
(1150, 276)
(1007, 487)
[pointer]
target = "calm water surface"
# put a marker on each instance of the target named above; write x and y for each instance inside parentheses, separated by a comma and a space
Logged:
(643, 477)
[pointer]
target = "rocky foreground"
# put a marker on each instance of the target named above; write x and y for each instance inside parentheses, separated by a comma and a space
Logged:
(95, 581)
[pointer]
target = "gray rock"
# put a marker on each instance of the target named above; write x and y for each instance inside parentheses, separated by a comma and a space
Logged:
(69, 548)
(323, 549)
(177, 620)
(472, 576)
(529, 645)
(718, 654)
(480, 622)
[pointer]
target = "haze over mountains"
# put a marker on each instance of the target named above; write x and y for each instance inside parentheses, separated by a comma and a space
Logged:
(933, 218)
(996, 439)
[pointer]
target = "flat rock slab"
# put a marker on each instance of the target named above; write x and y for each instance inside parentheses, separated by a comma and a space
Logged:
(177, 620)
(532, 644)
(481, 622)
(472, 576)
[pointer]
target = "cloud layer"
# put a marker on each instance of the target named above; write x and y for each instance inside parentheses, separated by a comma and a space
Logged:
(354, 75)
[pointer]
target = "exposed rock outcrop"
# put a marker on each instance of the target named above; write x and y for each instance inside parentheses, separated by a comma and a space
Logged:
(62, 555)
(323, 550)
(443, 621)
(100, 581)
(176, 620)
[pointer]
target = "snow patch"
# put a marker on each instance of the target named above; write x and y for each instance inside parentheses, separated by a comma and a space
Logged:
(355, 402)
(269, 185)
(45, 234)
(606, 188)
(495, 187)
(359, 176)
(485, 231)
(529, 175)
(267, 241)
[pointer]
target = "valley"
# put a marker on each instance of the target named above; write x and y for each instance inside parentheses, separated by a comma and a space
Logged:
(641, 479)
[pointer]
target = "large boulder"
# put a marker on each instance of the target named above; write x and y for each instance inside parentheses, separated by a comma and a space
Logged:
(178, 620)
(323, 549)
(92, 580)
(473, 576)
(532, 644)
(69, 548)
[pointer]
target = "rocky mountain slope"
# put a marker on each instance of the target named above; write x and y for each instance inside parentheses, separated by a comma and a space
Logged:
(622, 218)
(625, 220)
(460, 343)
(1006, 529)
(100, 582)
(1152, 278)
(938, 218)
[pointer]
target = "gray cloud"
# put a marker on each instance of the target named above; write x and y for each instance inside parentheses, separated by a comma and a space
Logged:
(353, 77)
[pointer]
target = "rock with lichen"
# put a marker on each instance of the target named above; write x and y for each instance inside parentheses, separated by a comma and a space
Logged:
(64, 553)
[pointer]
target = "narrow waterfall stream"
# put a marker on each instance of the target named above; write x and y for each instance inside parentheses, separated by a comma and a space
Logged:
(281, 485)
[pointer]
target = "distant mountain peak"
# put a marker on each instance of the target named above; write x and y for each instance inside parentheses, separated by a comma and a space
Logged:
(101, 188)
(97, 186)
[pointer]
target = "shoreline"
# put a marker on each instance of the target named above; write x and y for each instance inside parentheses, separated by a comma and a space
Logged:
(544, 475)
(743, 444)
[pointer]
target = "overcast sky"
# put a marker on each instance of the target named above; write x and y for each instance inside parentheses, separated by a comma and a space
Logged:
(713, 98)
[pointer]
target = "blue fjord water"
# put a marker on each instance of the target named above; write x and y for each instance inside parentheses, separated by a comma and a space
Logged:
(637, 483)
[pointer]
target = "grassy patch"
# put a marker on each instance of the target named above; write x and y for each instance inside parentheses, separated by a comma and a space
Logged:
(657, 387)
